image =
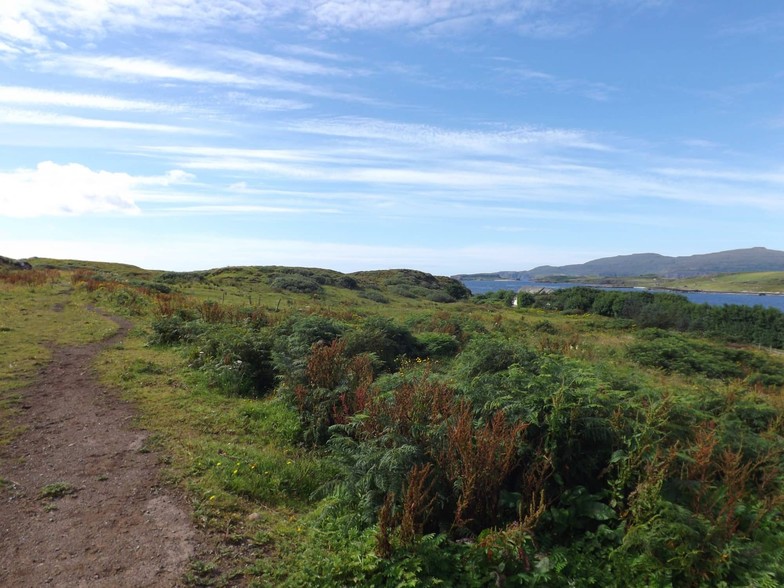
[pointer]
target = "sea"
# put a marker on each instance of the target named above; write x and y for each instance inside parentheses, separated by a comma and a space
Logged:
(713, 298)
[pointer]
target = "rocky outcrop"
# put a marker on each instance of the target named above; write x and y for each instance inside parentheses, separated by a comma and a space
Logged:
(8, 263)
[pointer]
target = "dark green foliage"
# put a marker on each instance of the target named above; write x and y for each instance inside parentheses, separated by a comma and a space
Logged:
(385, 339)
(438, 296)
(296, 283)
(505, 297)
(438, 345)
(514, 460)
(374, 295)
(744, 324)
(236, 360)
(525, 299)
(415, 284)
(675, 353)
(293, 341)
(176, 329)
(487, 354)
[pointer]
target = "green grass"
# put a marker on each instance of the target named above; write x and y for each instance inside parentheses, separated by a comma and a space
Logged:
(767, 282)
(745, 282)
(233, 455)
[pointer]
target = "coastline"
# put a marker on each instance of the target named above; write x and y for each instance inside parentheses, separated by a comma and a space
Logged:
(638, 287)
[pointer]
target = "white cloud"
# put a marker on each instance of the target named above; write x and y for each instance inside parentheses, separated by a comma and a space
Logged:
(52, 189)
(379, 14)
(461, 140)
(135, 68)
(47, 119)
(264, 103)
(33, 22)
(28, 96)
(286, 65)
(45, 23)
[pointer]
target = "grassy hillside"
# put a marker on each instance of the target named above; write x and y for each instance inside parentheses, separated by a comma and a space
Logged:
(764, 282)
(339, 430)
(744, 282)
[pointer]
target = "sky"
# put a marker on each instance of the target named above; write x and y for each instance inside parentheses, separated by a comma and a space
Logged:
(449, 136)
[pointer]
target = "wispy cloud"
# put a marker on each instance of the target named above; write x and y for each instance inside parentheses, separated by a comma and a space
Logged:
(455, 175)
(49, 119)
(531, 78)
(30, 96)
(265, 103)
(286, 65)
(36, 22)
(243, 209)
(139, 69)
(526, 16)
(766, 24)
(40, 23)
(462, 140)
(52, 189)
(135, 68)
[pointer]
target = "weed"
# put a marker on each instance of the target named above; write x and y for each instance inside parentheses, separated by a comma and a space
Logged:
(56, 490)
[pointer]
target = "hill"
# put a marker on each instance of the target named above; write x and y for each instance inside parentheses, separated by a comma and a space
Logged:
(379, 286)
(755, 259)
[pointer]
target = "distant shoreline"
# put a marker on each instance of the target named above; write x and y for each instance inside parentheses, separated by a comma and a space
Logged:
(644, 288)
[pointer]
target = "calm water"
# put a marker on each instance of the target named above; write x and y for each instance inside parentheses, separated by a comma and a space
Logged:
(482, 286)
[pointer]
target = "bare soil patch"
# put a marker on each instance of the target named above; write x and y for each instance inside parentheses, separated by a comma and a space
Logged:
(81, 502)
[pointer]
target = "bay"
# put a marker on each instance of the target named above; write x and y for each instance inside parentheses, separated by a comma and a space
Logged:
(712, 298)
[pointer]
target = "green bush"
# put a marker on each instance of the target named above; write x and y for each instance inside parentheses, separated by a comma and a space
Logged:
(384, 338)
(236, 360)
(374, 295)
(297, 283)
(438, 345)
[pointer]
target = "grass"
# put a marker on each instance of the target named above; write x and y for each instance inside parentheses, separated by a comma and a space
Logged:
(232, 454)
(767, 282)
(744, 282)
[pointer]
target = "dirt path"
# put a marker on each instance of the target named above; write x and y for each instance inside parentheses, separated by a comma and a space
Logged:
(115, 525)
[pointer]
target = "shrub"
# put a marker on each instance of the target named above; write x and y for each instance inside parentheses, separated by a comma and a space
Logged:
(169, 330)
(374, 295)
(297, 283)
(293, 340)
(384, 338)
(236, 360)
(438, 345)
(438, 296)
(486, 354)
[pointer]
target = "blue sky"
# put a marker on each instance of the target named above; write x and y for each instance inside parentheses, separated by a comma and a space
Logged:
(444, 135)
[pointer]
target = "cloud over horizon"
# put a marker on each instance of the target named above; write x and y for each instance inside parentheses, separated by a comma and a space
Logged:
(73, 189)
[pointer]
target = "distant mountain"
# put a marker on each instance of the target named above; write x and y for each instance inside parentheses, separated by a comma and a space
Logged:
(755, 259)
